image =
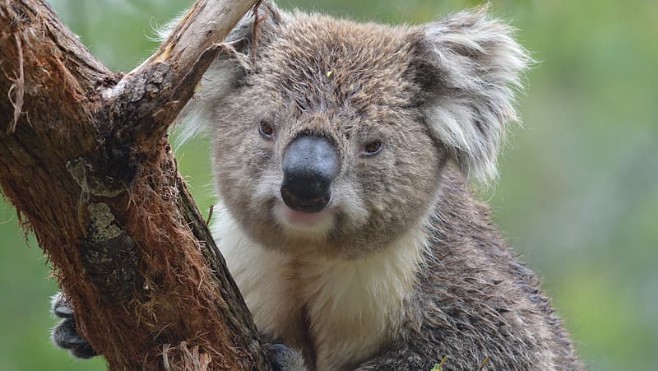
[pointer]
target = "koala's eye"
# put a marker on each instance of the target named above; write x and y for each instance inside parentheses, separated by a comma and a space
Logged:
(266, 129)
(372, 148)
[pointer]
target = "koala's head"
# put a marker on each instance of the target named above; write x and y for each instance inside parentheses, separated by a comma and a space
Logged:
(336, 135)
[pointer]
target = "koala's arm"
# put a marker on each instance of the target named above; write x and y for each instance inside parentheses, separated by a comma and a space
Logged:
(283, 358)
(65, 335)
(402, 357)
(422, 350)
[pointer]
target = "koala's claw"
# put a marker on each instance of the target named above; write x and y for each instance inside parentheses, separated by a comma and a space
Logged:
(65, 335)
(283, 358)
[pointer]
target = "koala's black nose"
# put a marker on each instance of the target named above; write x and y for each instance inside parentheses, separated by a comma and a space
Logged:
(310, 164)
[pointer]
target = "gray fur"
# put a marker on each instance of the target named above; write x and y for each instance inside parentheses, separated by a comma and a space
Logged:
(480, 65)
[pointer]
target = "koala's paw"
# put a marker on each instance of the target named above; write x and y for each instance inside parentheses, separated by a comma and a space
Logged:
(283, 358)
(65, 335)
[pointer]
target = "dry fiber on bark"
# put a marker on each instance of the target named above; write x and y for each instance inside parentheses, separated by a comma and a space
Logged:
(85, 160)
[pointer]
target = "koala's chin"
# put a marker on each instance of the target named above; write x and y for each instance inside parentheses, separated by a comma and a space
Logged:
(303, 225)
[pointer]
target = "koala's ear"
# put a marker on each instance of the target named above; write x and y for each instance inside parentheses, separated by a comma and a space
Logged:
(226, 74)
(268, 22)
(469, 67)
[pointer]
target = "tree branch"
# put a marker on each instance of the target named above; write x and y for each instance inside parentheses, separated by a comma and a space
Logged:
(84, 158)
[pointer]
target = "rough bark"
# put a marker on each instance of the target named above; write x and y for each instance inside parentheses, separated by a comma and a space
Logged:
(85, 160)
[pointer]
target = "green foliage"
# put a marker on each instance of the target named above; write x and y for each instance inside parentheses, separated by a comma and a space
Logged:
(578, 194)
(439, 366)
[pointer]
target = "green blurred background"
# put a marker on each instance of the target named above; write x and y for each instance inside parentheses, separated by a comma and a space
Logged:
(578, 195)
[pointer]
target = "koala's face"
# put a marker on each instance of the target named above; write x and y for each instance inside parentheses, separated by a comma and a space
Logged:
(325, 143)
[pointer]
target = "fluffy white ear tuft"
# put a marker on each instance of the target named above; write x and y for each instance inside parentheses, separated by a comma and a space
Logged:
(225, 74)
(471, 67)
(221, 78)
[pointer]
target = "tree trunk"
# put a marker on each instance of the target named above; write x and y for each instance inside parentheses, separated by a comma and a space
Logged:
(85, 160)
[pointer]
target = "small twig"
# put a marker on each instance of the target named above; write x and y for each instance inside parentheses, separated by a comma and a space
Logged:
(18, 87)
(484, 363)
(165, 356)
(212, 207)
(439, 367)
(255, 30)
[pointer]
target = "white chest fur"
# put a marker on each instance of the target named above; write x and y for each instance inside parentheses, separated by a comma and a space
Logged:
(352, 306)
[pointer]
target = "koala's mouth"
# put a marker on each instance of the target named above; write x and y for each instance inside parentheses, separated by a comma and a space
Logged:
(318, 223)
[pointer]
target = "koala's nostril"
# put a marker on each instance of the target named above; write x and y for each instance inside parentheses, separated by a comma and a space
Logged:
(310, 164)
(307, 205)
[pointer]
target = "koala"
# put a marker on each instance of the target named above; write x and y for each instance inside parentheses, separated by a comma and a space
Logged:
(342, 154)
